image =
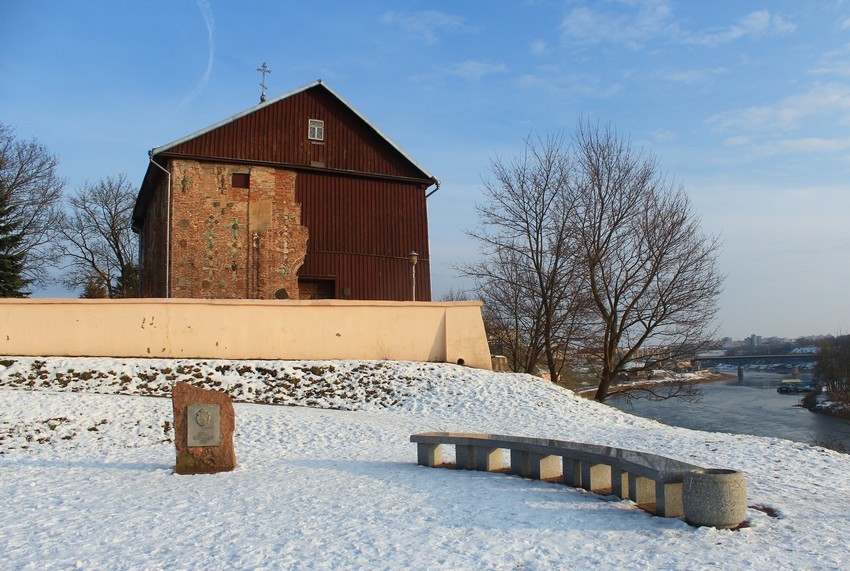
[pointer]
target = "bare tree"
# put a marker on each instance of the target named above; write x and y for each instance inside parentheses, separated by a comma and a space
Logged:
(587, 245)
(511, 314)
(833, 367)
(28, 173)
(455, 295)
(96, 239)
(529, 279)
(652, 273)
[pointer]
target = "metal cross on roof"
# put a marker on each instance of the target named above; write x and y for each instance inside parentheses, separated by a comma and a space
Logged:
(264, 70)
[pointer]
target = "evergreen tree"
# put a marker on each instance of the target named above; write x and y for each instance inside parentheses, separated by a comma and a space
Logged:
(94, 289)
(12, 282)
(128, 281)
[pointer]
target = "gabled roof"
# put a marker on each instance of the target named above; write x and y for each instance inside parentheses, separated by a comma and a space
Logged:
(271, 102)
(179, 147)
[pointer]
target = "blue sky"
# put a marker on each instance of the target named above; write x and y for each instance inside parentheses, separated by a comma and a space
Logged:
(746, 103)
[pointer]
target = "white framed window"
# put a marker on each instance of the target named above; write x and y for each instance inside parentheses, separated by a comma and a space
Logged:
(316, 130)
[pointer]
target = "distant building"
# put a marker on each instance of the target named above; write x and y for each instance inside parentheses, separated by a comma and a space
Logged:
(299, 197)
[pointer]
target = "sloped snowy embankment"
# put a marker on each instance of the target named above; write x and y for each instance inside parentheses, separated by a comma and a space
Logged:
(86, 479)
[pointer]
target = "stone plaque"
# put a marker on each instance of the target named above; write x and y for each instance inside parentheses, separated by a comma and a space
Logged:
(204, 421)
(204, 424)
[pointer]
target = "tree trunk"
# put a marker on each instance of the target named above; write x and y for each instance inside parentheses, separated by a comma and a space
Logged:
(605, 379)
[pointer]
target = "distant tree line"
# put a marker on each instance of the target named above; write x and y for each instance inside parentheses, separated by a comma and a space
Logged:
(85, 235)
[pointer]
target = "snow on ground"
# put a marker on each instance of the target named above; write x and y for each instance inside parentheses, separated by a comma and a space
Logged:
(86, 479)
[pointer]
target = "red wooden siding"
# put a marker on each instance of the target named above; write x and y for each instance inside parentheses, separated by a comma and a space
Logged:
(153, 245)
(278, 134)
(360, 232)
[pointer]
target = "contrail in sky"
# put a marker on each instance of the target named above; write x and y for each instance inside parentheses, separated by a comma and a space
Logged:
(209, 20)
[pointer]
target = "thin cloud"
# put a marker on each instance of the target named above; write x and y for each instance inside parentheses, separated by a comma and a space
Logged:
(557, 84)
(469, 70)
(805, 145)
(691, 76)
(638, 23)
(752, 25)
(827, 100)
(764, 130)
(475, 70)
(587, 26)
(209, 21)
(834, 62)
(663, 135)
(539, 48)
(425, 25)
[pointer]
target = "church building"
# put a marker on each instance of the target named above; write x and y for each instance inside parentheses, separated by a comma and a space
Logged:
(299, 197)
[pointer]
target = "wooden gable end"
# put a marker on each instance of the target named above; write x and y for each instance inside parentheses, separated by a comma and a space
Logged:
(277, 133)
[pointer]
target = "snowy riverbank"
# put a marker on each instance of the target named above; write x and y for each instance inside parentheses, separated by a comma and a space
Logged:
(86, 475)
(819, 402)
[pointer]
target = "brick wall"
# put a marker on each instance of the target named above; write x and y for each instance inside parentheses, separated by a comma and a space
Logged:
(230, 242)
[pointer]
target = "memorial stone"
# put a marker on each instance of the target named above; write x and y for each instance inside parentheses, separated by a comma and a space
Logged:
(203, 430)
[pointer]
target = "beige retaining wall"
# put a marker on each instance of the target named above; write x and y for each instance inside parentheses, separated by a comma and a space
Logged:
(245, 329)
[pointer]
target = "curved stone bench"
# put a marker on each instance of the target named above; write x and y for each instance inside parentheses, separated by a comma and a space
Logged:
(651, 481)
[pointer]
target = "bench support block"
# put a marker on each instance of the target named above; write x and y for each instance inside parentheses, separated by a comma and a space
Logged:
(489, 459)
(595, 477)
(483, 458)
(668, 499)
(429, 454)
(572, 472)
(465, 456)
(521, 463)
(619, 482)
(544, 467)
(641, 490)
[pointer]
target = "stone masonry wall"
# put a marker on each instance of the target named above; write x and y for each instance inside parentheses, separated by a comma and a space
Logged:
(231, 243)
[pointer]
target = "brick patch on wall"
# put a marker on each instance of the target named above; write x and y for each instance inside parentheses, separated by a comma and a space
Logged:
(230, 242)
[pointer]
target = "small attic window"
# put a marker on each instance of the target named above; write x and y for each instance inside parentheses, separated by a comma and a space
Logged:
(241, 180)
(316, 130)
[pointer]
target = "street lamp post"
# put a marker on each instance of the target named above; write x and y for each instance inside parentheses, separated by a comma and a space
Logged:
(413, 257)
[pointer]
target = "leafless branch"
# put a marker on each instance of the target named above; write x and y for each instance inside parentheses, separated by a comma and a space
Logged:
(588, 245)
(28, 172)
(97, 243)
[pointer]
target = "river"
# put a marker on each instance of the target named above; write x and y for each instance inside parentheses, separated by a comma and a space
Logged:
(748, 406)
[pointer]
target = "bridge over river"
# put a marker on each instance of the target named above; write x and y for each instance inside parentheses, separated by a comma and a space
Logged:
(793, 360)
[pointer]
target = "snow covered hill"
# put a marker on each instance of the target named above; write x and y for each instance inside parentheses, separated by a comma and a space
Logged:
(86, 475)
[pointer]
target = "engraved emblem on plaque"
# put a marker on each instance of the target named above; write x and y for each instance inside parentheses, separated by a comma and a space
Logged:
(203, 417)
(204, 422)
